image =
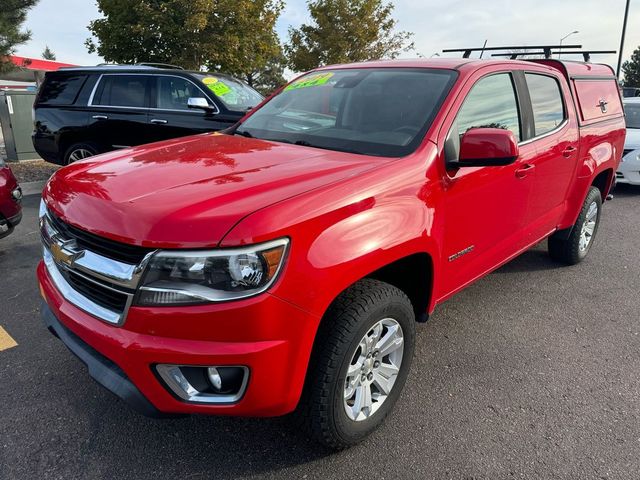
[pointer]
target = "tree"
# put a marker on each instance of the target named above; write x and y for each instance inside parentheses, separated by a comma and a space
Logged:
(345, 31)
(631, 69)
(251, 49)
(13, 13)
(234, 36)
(48, 54)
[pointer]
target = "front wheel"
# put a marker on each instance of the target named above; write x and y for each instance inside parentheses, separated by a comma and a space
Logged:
(359, 365)
(574, 248)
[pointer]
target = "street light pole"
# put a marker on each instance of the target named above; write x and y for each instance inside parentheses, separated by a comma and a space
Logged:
(624, 31)
(563, 39)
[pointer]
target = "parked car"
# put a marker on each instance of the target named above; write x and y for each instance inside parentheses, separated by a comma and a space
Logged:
(629, 169)
(282, 265)
(10, 198)
(80, 112)
(630, 92)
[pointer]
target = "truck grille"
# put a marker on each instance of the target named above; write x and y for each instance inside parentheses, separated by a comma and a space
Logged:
(122, 252)
(96, 292)
(97, 275)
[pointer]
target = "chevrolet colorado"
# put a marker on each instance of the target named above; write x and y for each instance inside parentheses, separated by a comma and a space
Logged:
(281, 266)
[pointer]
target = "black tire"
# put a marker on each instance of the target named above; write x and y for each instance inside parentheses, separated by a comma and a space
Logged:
(568, 250)
(322, 410)
(69, 157)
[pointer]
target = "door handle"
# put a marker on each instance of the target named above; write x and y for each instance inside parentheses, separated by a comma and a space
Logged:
(525, 170)
(570, 150)
(158, 121)
(100, 117)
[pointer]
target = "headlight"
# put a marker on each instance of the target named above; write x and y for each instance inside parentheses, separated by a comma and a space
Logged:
(197, 276)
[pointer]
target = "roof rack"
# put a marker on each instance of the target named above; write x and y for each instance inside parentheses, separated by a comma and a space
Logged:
(159, 65)
(586, 54)
(546, 49)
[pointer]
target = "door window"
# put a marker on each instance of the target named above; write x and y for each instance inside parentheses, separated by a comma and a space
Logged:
(546, 100)
(174, 93)
(490, 104)
(122, 91)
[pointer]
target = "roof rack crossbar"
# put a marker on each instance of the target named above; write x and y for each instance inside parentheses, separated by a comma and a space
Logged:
(545, 48)
(586, 54)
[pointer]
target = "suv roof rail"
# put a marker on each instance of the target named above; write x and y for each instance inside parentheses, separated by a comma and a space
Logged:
(159, 65)
(586, 54)
(546, 49)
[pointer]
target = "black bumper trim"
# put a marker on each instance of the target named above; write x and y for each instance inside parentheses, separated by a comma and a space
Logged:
(101, 369)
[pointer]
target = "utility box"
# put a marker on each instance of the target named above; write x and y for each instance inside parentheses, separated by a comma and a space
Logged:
(17, 124)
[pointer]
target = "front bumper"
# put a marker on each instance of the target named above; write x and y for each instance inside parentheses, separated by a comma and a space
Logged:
(269, 336)
(101, 369)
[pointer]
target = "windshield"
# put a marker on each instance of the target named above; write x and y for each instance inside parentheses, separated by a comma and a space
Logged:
(632, 115)
(383, 112)
(234, 94)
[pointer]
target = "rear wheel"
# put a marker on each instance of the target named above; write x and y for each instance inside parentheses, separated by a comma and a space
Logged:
(360, 363)
(80, 151)
(574, 248)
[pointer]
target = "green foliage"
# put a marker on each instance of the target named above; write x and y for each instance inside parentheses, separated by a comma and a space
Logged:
(345, 31)
(13, 13)
(233, 36)
(48, 54)
(631, 69)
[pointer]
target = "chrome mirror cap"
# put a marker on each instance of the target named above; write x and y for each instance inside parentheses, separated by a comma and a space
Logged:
(199, 102)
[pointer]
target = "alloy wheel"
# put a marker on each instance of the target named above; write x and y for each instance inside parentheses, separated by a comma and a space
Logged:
(79, 154)
(373, 370)
(588, 227)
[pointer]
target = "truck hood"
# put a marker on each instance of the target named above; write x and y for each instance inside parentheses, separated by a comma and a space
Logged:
(633, 139)
(189, 192)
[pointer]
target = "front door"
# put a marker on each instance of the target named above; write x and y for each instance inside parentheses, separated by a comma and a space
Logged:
(171, 117)
(485, 207)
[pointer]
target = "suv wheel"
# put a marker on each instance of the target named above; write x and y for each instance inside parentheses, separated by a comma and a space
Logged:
(359, 365)
(574, 249)
(80, 151)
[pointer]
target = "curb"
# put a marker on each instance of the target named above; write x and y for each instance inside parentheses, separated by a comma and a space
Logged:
(32, 188)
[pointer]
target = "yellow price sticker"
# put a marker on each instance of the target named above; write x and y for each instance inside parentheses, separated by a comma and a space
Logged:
(314, 80)
(217, 86)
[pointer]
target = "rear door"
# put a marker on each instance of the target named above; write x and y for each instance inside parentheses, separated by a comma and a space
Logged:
(485, 206)
(555, 138)
(119, 109)
(170, 116)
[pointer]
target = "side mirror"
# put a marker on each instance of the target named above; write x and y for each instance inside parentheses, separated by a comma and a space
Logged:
(487, 147)
(199, 102)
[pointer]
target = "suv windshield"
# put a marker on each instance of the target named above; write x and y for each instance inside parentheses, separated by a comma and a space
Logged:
(383, 112)
(632, 115)
(234, 94)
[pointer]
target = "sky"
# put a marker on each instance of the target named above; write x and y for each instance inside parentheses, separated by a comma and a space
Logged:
(62, 24)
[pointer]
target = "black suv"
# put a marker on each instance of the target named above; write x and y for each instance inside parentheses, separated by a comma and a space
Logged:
(80, 112)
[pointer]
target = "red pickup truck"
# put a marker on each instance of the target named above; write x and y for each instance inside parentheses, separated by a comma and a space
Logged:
(282, 265)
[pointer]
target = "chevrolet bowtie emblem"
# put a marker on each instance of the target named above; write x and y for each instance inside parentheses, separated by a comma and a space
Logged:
(63, 252)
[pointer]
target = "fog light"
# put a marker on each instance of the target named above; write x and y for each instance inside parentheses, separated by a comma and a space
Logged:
(204, 384)
(214, 378)
(17, 194)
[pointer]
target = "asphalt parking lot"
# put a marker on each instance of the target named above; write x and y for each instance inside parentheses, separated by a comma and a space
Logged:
(533, 372)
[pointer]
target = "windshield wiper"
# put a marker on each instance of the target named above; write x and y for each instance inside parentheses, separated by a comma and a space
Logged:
(244, 133)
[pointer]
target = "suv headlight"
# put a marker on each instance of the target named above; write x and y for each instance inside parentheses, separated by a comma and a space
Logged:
(205, 276)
